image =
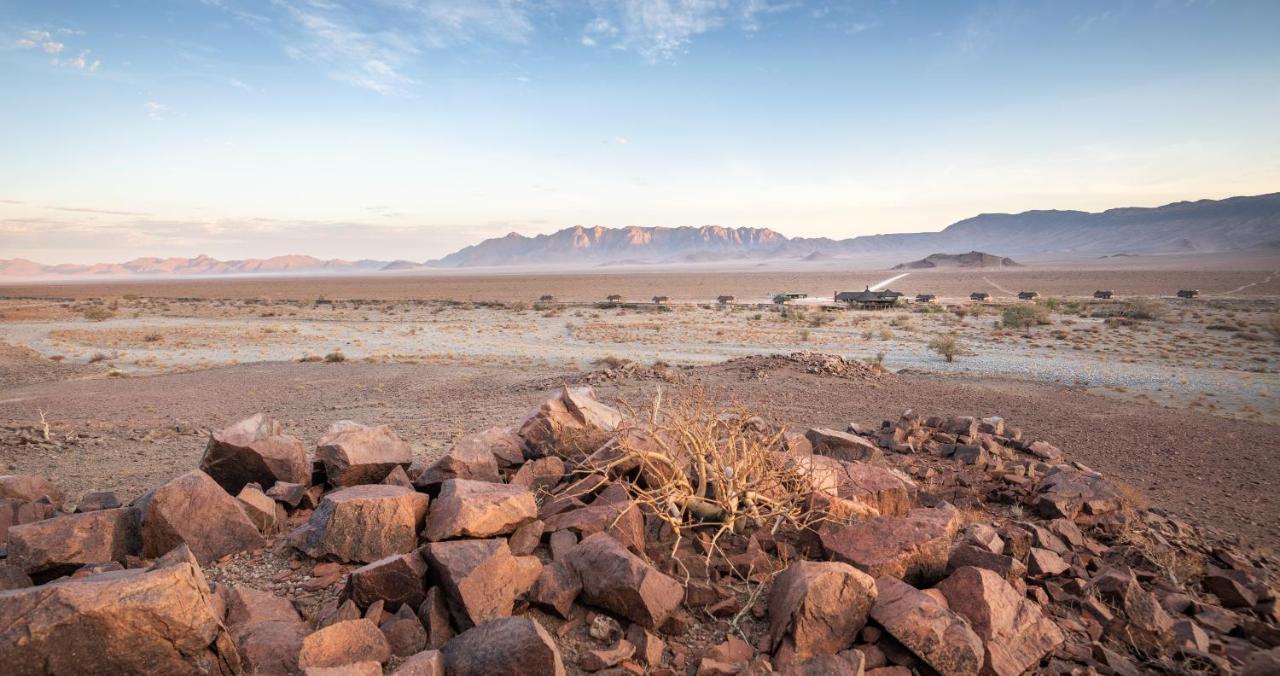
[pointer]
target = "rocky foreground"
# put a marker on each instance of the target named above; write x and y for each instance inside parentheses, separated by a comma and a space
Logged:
(589, 541)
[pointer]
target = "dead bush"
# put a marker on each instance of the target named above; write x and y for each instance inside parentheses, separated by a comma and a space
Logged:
(694, 466)
(335, 357)
(947, 345)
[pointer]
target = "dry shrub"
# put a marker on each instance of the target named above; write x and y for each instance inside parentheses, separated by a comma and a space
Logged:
(97, 313)
(694, 466)
(335, 357)
(97, 357)
(947, 345)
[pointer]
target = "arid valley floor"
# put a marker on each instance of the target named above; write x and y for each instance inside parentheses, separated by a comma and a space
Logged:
(116, 385)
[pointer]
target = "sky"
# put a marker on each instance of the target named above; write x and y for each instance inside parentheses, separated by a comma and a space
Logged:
(405, 129)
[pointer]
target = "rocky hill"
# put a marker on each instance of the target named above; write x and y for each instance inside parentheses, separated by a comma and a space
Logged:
(579, 541)
(973, 259)
(1205, 226)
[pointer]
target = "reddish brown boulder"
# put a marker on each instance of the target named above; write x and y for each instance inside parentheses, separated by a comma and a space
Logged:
(98, 500)
(254, 451)
(193, 509)
(526, 538)
(939, 637)
(260, 508)
(965, 554)
(503, 442)
(649, 647)
(479, 509)
(266, 628)
(425, 663)
(820, 605)
(556, 588)
(14, 512)
(160, 619)
(363, 523)
(621, 520)
(434, 613)
(1043, 562)
(914, 547)
(619, 581)
(508, 646)
(288, 494)
(467, 459)
(344, 643)
(30, 488)
(479, 578)
(12, 577)
(396, 580)
(354, 454)
(843, 446)
(405, 633)
(1070, 494)
(571, 425)
(1016, 633)
(540, 475)
(58, 546)
(890, 492)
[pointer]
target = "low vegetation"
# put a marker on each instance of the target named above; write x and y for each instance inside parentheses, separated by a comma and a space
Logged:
(947, 345)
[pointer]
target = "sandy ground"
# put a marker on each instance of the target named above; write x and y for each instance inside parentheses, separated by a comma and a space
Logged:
(1220, 355)
(1241, 276)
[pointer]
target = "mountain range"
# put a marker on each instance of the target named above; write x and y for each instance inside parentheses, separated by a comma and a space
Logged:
(1204, 226)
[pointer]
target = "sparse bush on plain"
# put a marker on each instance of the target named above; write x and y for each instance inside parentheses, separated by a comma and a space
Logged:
(1024, 316)
(1144, 308)
(947, 345)
(97, 313)
(611, 362)
(335, 357)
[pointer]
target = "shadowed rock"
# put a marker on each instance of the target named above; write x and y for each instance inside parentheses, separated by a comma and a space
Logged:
(354, 454)
(479, 509)
(363, 523)
(510, 646)
(159, 620)
(820, 605)
(479, 578)
(62, 544)
(1016, 633)
(936, 635)
(396, 580)
(254, 451)
(193, 509)
(266, 628)
(619, 581)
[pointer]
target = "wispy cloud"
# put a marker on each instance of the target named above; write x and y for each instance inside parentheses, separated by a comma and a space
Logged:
(378, 45)
(155, 110)
(91, 210)
(988, 24)
(43, 40)
(660, 30)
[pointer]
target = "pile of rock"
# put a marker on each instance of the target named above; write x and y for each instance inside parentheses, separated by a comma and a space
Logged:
(816, 363)
(947, 545)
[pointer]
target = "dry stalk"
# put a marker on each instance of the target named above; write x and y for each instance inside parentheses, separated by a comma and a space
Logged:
(44, 424)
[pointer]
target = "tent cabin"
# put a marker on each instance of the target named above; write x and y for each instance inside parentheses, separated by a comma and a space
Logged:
(661, 300)
(546, 298)
(1028, 295)
(980, 296)
(725, 300)
(926, 298)
(1188, 293)
(868, 299)
(1103, 294)
(789, 296)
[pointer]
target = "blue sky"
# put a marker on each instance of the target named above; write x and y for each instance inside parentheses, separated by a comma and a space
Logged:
(409, 128)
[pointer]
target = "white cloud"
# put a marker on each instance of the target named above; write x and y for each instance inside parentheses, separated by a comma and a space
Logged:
(52, 47)
(155, 110)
